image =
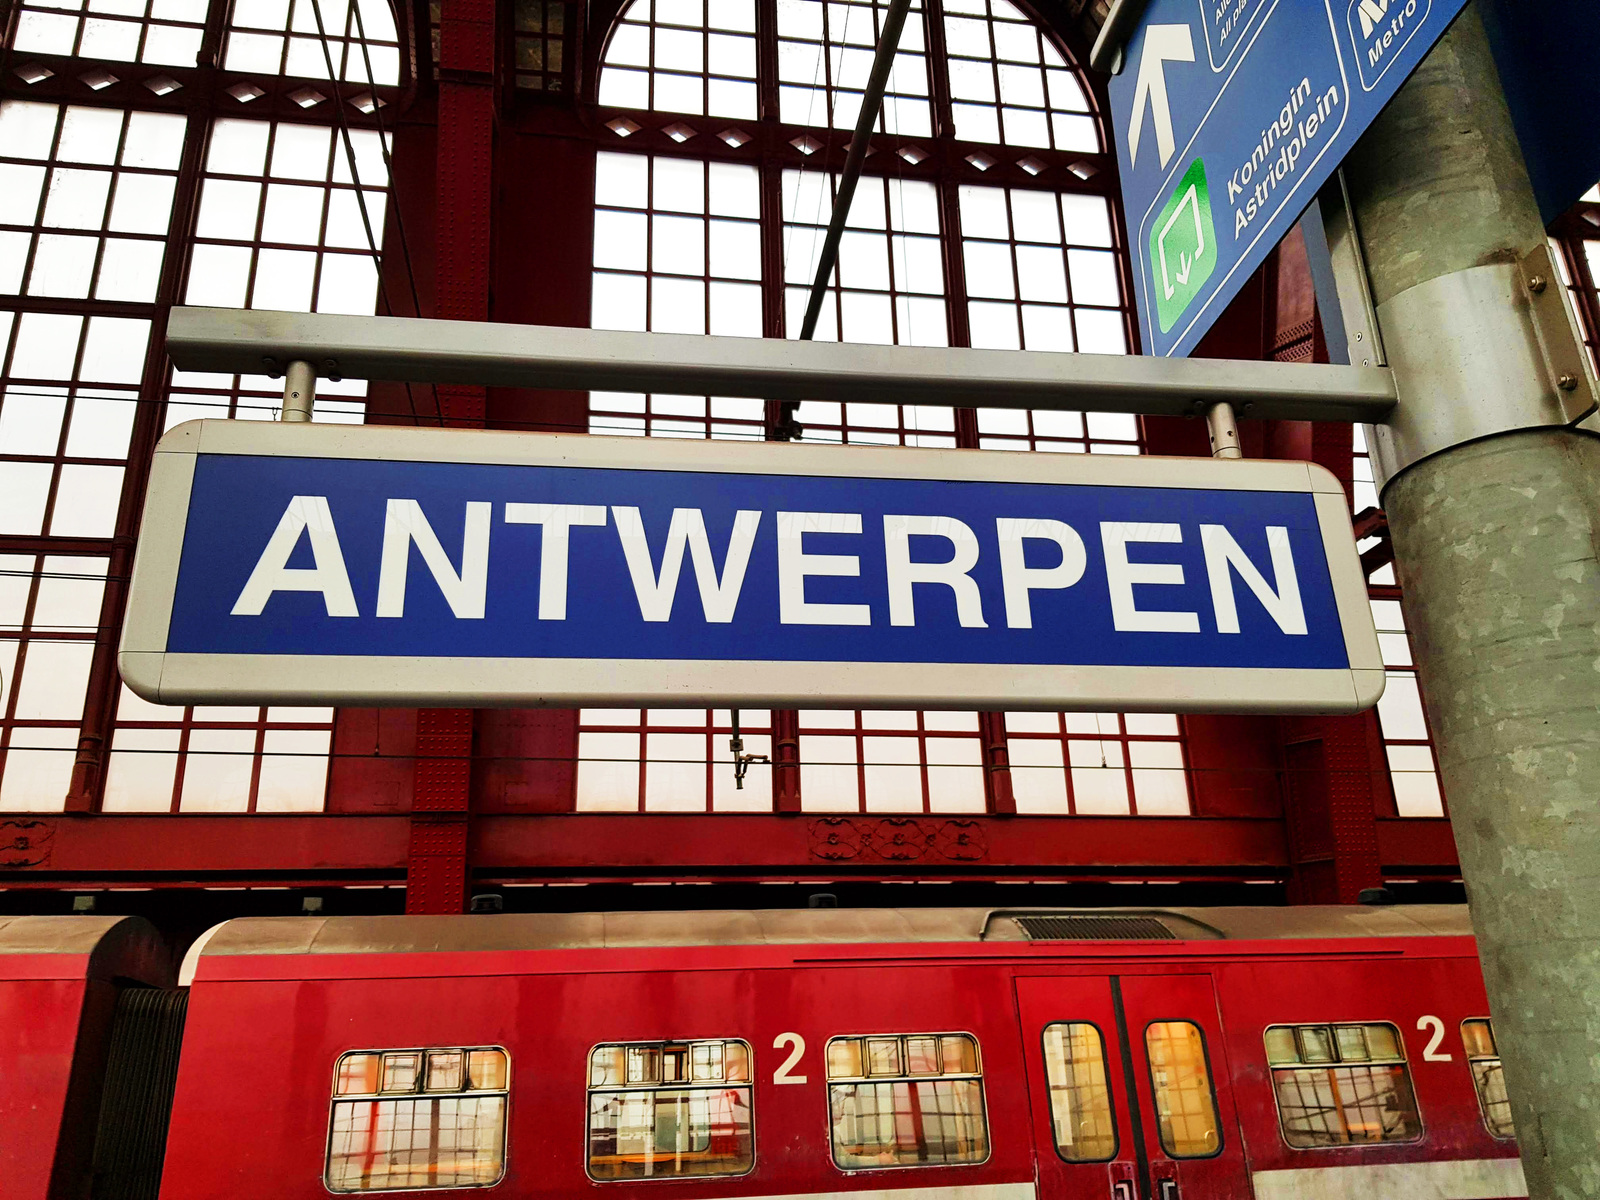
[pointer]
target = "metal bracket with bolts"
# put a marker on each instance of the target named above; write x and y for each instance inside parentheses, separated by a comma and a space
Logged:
(741, 760)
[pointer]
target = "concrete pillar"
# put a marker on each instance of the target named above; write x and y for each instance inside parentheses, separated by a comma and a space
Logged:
(1496, 543)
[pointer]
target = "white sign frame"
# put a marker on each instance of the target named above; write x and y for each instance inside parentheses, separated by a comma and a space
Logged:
(364, 681)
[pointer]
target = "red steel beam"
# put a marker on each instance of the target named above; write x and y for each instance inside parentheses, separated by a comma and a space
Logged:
(437, 873)
(876, 843)
(199, 849)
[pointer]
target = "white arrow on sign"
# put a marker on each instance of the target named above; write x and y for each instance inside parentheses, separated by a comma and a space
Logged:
(1162, 44)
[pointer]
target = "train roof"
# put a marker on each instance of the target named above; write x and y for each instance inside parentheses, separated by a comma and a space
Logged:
(778, 927)
(108, 947)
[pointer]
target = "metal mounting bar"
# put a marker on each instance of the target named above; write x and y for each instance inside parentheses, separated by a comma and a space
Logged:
(1223, 430)
(299, 391)
(415, 350)
(1114, 34)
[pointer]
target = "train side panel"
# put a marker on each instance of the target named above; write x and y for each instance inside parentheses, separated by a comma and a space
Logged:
(39, 1021)
(59, 980)
(252, 1107)
(1426, 998)
(253, 1100)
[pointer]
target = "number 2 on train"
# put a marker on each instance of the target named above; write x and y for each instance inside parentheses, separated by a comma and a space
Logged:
(781, 1075)
(1431, 1052)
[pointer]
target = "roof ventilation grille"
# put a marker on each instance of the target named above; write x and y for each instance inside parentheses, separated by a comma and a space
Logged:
(1093, 929)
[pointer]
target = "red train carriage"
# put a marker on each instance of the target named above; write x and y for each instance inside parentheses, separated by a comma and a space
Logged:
(76, 993)
(954, 1054)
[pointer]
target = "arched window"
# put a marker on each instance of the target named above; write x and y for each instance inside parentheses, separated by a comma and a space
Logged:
(984, 218)
(115, 204)
(355, 38)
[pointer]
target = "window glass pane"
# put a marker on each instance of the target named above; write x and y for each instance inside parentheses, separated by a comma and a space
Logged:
(925, 1123)
(886, 290)
(122, 31)
(706, 1060)
(670, 1134)
(1400, 709)
(639, 1130)
(358, 1074)
(445, 1071)
(217, 772)
(922, 1056)
(688, 67)
(844, 1059)
(400, 1072)
(54, 676)
(1281, 1046)
(1000, 54)
(825, 56)
(1488, 1078)
(38, 769)
(421, 1143)
(1186, 1112)
(1345, 1102)
(1080, 1097)
(1339, 1106)
(1352, 1041)
(675, 1064)
(1316, 1044)
(359, 39)
(1478, 1039)
(644, 1064)
(959, 1054)
(1383, 1042)
(142, 770)
(736, 1062)
(455, 1138)
(675, 242)
(883, 1056)
(606, 1066)
(909, 1122)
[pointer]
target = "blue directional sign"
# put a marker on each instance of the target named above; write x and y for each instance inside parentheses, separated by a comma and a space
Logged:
(1548, 58)
(393, 566)
(1228, 116)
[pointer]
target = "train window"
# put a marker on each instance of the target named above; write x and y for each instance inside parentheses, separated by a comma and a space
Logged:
(670, 1110)
(422, 1118)
(1186, 1106)
(1080, 1098)
(1483, 1057)
(906, 1100)
(1342, 1085)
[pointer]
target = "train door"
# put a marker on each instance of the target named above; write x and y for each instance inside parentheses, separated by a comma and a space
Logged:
(1129, 1089)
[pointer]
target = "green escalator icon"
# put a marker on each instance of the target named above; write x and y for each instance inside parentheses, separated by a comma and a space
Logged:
(1183, 246)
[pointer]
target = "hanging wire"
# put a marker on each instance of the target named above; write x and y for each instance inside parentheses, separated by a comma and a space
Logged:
(262, 400)
(355, 173)
(394, 191)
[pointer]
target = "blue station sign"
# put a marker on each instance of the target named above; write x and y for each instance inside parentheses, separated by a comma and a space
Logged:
(1228, 116)
(387, 566)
